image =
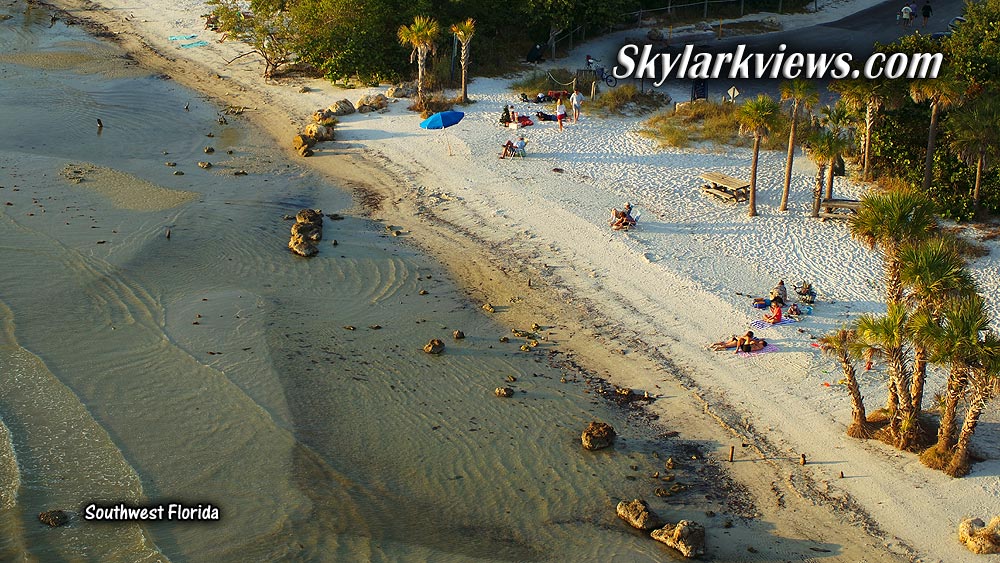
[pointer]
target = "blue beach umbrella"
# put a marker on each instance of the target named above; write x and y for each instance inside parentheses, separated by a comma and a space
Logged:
(442, 120)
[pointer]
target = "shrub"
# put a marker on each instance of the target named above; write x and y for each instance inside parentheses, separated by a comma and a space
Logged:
(540, 81)
(433, 103)
(626, 99)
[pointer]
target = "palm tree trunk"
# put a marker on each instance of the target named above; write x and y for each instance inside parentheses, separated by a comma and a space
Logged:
(465, 65)
(946, 430)
(790, 156)
(859, 420)
(421, 60)
(818, 191)
(906, 427)
(919, 375)
(829, 182)
(893, 285)
(979, 176)
(959, 465)
(869, 125)
(753, 177)
(931, 136)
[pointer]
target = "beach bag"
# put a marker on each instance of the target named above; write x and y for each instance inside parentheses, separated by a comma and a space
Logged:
(524, 120)
(761, 303)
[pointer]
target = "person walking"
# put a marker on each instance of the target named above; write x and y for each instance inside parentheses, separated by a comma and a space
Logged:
(560, 112)
(576, 100)
(926, 11)
(907, 12)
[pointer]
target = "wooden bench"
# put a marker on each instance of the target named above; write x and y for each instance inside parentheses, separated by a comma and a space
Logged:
(838, 208)
(725, 188)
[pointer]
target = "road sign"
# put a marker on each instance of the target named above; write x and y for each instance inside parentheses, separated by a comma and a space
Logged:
(733, 92)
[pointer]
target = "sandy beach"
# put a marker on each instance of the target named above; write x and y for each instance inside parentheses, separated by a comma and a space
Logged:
(640, 307)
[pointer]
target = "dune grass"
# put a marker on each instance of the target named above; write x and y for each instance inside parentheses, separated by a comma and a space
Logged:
(710, 122)
(539, 81)
(625, 100)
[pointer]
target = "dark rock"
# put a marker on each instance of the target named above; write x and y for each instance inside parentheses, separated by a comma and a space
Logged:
(598, 435)
(209, 150)
(54, 518)
(205, 165)
(503, 392)
(458, 335)
(178, 172)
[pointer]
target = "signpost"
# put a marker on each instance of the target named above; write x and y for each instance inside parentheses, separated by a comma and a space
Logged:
(733, 92)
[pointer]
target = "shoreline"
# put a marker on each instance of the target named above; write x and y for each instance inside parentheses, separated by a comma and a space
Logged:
(486, 272)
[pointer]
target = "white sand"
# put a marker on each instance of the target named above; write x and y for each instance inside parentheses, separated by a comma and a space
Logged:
(669, 287)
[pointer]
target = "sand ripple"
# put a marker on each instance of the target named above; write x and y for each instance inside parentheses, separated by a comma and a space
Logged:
(125, 190)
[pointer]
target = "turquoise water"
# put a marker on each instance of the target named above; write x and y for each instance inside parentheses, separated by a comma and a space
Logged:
(214, 366)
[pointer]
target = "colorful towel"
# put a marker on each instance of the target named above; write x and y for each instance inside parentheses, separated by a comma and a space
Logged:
(181, 37)
(195, 44)
(765, 350)
(760, 323)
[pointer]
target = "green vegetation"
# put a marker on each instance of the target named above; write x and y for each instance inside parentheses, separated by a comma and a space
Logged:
(542, 81)
(625, 100)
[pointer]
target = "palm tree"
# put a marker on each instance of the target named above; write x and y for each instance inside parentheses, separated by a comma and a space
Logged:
(803, 94)
(824, 148)
(885, 337)
(464, 32)
(838, 118)
(976, 137)
(887, 220)
(757, 117)
(942, 92)
(420, 35)
(984, 382)
(869, 96)
(953, 339)
(838, 345)
(932, 272)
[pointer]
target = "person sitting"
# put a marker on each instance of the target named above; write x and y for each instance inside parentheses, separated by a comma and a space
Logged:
(591, 61)
(780, 291)
(774, 313)
(542, 116)
(519, 147)
(541, 98)
(793, 311)
(508, 149)
(622, 219)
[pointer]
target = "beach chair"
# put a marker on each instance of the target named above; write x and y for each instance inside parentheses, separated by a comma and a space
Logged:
(519, 153)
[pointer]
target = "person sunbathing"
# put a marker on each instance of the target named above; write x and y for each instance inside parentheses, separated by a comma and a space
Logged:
(774, 313)
(793, 311)
(746, 343)
(622, 219)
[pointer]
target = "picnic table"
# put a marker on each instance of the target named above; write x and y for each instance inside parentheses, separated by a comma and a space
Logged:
(725, 188)
(838, 208)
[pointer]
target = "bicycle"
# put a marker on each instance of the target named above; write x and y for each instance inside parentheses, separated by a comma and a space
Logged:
(607, 77)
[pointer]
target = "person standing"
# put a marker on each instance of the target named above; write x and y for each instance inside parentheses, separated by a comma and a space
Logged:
(926, 11)
(560, 112)
(907, 12)
(576, 100)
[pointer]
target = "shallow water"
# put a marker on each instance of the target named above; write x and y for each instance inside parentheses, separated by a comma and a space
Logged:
(214, 366)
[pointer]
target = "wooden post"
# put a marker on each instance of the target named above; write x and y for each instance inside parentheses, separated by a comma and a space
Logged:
(741, 8)
(732, 451)
(593, 89)
(705, 16)
(720, 28)
(802, 459)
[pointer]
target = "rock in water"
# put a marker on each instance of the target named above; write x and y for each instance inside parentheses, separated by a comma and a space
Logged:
(598, 435)
(503, 392)
(54, 518)
(638, 515)
(435, 346)
(310, 231)
(302, 246)
(686, 537)
(978, 536)
(458, 335)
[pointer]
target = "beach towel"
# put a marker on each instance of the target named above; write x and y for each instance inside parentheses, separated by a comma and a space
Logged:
(765, 350)
(195, 44)
(761, 323)
(181, 37)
